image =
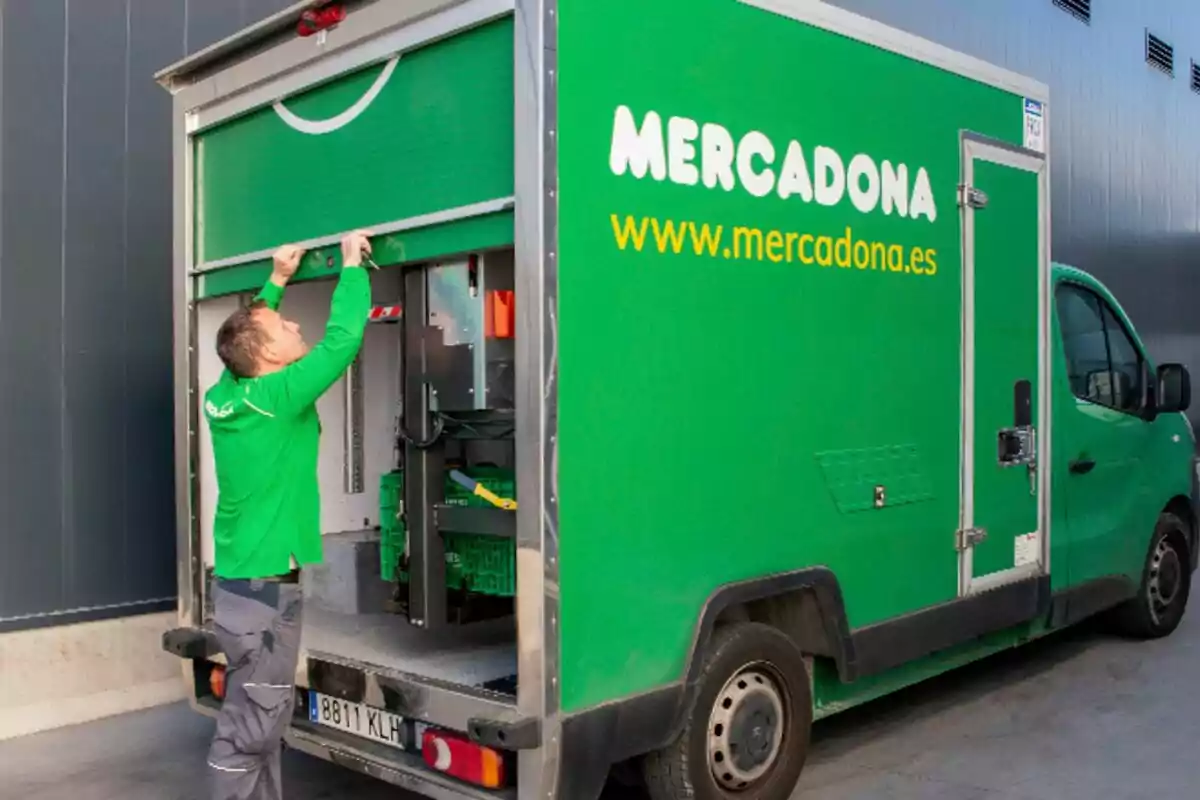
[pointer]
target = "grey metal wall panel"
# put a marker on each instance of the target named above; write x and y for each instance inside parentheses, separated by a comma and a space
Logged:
(209, 21)
(254, 10)
(86, 491)
(156, 38)
(95, 315)
(1125, 161)
(31, 496)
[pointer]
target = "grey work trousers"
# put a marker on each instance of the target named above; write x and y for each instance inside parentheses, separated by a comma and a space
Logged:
(258, 627)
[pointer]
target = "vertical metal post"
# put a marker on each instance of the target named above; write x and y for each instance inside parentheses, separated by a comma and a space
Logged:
(424, 468)
(536, 268)
(352, 434)
(189, 556)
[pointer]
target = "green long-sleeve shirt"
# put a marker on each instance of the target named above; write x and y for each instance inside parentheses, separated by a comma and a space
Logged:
(265, 436)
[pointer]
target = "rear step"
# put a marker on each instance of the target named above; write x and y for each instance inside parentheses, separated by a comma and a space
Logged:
(485, 716)
(191, 643)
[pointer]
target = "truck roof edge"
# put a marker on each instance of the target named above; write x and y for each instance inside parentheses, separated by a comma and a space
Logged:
(169, 77)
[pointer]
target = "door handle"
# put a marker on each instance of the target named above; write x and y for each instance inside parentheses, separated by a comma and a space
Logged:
(1082, 466)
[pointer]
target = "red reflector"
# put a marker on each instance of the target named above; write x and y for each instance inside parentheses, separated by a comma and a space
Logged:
(385, 313)
(316, 20)
(463, 759)
(216, 681)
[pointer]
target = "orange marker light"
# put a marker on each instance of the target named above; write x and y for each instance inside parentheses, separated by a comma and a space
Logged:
(216, 681)
(463, 759)
(500, 314)
(491, 768)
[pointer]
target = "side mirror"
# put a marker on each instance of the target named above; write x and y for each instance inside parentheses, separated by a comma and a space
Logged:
(1099, 386)
(1174, 388)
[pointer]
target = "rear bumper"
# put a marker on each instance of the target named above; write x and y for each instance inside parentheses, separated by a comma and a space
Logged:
(397, 768)
(400, 768)
(488, 718)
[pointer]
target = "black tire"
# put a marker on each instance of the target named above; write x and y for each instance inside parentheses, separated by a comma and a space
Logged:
(1162, 598)
(774, 668)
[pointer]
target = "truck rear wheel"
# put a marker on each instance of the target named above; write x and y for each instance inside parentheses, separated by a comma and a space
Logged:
(1166, 584)
(748, 732)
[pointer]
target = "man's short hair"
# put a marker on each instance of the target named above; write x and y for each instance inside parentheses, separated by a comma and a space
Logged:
(240, 340)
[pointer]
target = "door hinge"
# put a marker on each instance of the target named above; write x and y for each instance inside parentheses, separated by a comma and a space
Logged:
(970, 197)
(969, 537)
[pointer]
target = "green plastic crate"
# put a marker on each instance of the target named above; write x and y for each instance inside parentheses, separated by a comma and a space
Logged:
(482, 564)
(391, 528)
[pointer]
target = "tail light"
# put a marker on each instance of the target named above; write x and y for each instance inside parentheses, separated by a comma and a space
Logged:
(316, 20)
(463, 759)
(216, 681)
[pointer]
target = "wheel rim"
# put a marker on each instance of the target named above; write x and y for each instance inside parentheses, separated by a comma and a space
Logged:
(1166, 579)
(745, 729)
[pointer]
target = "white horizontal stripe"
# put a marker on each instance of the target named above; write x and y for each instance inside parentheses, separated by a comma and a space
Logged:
(259, 410)
(408, 223)
(227, 769)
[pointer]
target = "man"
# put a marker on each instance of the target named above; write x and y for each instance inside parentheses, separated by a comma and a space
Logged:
(265, 433)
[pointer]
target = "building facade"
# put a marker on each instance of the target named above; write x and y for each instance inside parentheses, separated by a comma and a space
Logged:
(86, 492)
(87, 518)
(1125, 167)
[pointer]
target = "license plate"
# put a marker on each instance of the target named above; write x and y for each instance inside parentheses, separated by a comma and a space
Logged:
(370, 723)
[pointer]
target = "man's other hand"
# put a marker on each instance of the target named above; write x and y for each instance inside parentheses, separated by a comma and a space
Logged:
(287, 261)
(354, 246)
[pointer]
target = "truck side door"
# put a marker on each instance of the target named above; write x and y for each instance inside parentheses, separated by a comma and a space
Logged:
(1101, 436)
(1006, 377)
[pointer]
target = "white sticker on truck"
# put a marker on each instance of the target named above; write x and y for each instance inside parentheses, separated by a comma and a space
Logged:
(1035, 126)
(1028, 548)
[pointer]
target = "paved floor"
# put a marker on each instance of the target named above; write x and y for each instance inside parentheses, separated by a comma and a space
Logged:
(1077, 717)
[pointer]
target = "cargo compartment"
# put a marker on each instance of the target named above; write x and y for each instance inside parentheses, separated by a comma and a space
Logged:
(357, 600)
(417, 460)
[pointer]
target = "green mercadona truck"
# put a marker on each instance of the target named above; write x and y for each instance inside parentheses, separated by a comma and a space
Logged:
(719, 380)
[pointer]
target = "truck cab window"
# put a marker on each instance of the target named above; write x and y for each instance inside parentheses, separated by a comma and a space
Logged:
(1126, 364)
(1103, 364)
(1082, 326)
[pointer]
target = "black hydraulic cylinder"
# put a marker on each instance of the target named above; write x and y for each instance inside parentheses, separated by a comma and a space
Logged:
(424, 466)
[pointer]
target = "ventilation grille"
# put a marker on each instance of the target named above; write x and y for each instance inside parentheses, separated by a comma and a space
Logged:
(1159, 54)
(1195, 77)
(1080, 8)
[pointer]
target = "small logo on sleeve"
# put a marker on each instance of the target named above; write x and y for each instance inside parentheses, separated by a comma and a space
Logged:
(217, 413)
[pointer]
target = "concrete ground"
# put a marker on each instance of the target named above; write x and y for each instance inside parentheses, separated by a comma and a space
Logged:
(1079, 716)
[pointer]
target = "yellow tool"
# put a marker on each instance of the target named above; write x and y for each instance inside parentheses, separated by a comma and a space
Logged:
(479, 490)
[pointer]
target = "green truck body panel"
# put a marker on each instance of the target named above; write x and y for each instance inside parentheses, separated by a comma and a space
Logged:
(759, 323)
(1101, 522)
(831, 695)
(802, 385)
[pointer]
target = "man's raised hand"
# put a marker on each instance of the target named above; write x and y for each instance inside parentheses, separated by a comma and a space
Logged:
(287, 261)
(354, 246)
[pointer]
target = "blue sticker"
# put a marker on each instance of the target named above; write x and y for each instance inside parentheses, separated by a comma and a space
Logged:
(1034, 128)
